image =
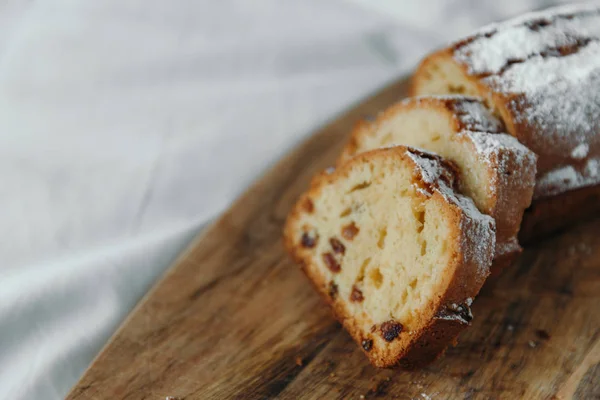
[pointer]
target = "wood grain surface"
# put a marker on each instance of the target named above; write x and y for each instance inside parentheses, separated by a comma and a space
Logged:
(235, 318)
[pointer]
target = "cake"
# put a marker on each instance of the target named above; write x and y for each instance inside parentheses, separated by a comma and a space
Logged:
(398, 253)
(401, 235)
(496, 171)
(540, 73)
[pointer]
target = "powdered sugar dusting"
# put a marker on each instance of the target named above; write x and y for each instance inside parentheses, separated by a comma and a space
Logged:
(502, 152)
(479, 247)
(547, 66)
(561, 98)
(568, 177)
(488, 144)
(470, 111)
(476, 117)
(507, 247)
(581, 151)
(481, 226)
(511, 41)
(437, 176)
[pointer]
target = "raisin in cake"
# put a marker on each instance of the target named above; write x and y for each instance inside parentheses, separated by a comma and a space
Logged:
(541, 74)
(496, 171)
(395, 250)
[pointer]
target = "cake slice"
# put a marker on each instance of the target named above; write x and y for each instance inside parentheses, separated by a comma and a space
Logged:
(394, 249)
(540, 73)
(496, 171)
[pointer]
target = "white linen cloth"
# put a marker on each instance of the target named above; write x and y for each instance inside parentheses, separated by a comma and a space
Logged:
(127, 125)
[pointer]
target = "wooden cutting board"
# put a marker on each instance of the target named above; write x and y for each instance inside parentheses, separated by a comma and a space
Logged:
(235, 318)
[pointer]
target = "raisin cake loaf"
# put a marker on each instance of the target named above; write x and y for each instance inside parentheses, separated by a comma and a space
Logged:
(395, 250)
(496, 171)
(540, 73)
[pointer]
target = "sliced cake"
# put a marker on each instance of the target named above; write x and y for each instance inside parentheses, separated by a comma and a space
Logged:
(540, 73)
(496, 171)
(397, 252)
